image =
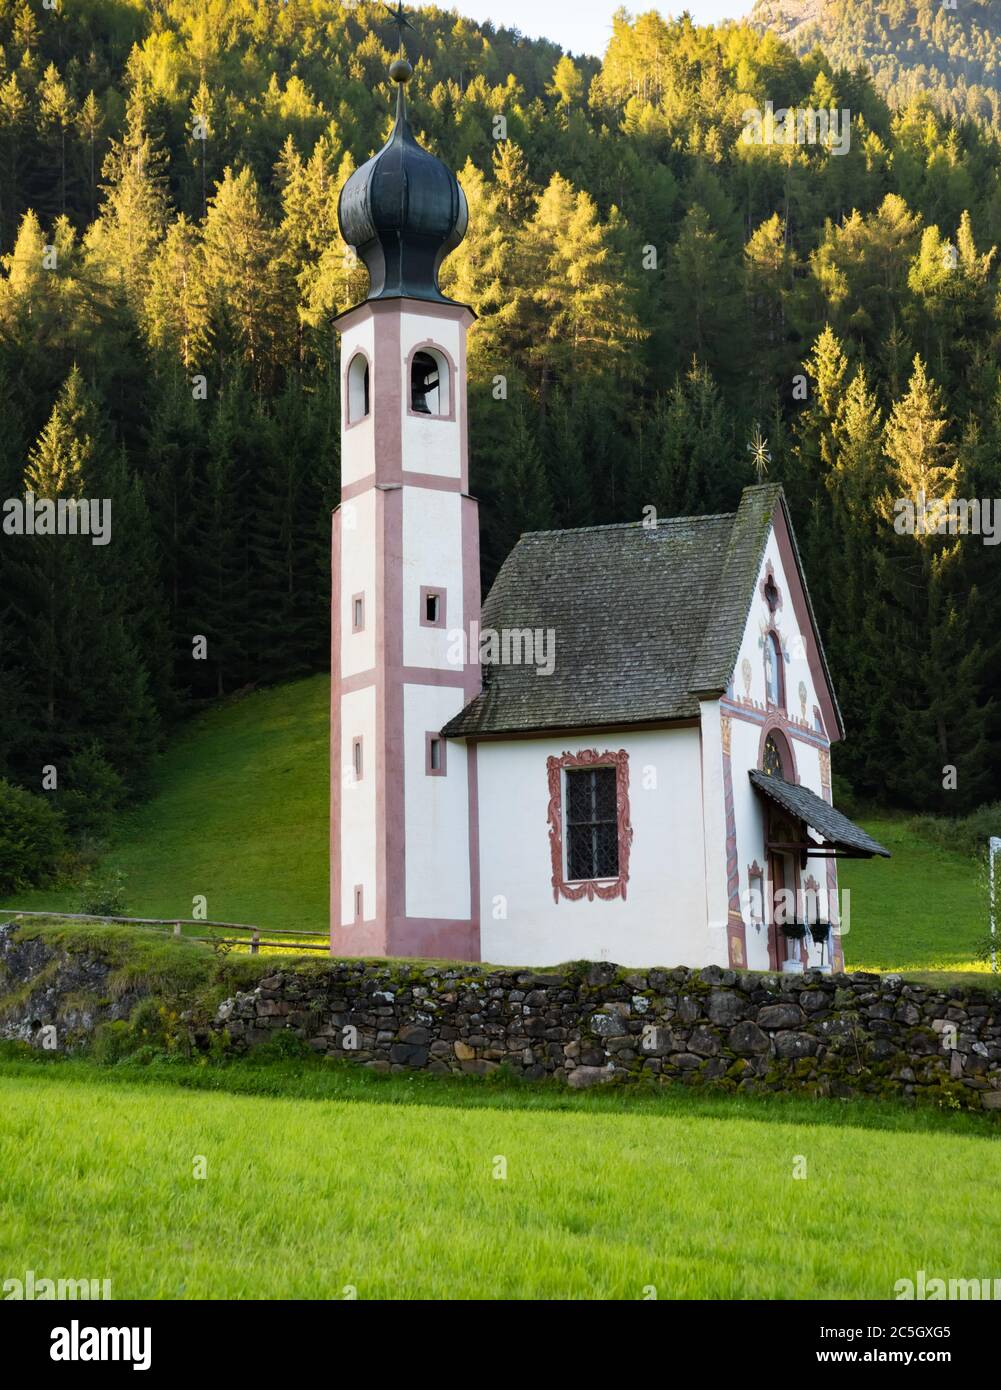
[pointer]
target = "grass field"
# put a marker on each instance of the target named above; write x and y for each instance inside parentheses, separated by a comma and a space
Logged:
(921, 911)
(240, 816)
(241, 811)
(333, 1180)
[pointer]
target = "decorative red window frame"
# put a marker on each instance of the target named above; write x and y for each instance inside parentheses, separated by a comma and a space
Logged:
(590, 888)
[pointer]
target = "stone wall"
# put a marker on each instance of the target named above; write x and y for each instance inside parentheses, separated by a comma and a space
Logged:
(837, 1035)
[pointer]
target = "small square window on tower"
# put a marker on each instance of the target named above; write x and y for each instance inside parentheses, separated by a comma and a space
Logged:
(434, 754)
(358, 613)
(432, 607)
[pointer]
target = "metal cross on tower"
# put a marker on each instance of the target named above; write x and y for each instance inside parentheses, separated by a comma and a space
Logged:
(398, 18)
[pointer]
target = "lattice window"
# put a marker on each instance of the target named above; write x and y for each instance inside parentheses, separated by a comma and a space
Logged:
(592, 826)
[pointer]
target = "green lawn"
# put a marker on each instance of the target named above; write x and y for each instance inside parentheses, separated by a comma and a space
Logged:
(241, 816)
(921, 911)
(387, 1185)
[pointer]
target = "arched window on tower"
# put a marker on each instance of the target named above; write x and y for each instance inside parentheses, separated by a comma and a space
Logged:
(429, 383)
(358, 405)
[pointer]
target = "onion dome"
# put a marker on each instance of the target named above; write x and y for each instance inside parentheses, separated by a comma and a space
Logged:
(403, 211)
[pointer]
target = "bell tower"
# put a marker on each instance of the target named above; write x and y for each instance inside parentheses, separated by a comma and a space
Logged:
(403, 838)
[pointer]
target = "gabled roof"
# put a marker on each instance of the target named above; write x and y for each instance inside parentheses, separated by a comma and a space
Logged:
(647, 619)
(836, 829)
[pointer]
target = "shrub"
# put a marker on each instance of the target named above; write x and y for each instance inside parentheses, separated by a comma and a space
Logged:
(965, 834)
(92, 791)
(103, 895)
(32, 838)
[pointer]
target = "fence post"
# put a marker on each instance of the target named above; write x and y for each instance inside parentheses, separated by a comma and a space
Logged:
(255, 942)
(177, 928)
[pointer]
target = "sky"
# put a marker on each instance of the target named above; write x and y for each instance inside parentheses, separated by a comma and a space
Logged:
(585, 26)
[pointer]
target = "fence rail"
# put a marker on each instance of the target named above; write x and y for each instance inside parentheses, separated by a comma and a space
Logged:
(254, 941)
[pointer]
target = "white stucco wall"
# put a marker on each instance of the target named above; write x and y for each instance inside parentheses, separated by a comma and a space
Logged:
(358, 554)
(358, 442)
(432, 445)
(746, 734)
(358, 802)
(432, 558)
(437, 809)
(663, 917)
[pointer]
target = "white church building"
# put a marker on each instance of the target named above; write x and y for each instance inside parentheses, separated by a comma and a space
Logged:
(624, 754)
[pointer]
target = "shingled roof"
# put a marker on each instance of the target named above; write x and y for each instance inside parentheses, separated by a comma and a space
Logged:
(646, 619)
(836, 829)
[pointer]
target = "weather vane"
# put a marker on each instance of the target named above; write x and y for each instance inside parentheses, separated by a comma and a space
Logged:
(400, 20)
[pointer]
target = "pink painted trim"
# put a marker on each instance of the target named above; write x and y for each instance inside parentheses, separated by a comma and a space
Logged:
(387, 401)
(774, 730)
(441, 594)
(391, 748)
(347, 423)
(590, 888)
(430, 737)
(462, 405)
(752, 713)
(444, 676)
(381, 308)
(336, 773)
(356, 625)
(442, 937)
(434, 481)
(821, 683)
(469, 520)
(453, 380)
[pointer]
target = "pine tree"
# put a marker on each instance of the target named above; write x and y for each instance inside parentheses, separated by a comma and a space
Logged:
(248, 294)
(135, 210)
(923, 462)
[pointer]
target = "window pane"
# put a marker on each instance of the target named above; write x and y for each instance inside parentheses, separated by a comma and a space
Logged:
(607, 852)
(592, 827)
(578, 797)
(604, 793)
(579, 855)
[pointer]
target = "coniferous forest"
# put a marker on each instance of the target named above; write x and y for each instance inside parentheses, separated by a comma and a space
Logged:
(665, 312)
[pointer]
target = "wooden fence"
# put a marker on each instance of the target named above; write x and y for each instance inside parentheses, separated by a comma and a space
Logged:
(253, 939)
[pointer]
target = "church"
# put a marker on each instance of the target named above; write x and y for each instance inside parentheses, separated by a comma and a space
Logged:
(635, 765)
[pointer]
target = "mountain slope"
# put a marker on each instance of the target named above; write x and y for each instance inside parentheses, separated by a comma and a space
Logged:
(912, 46)
(239, 816)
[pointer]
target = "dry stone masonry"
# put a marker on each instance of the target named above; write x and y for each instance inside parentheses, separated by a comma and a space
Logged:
(586, 1024)
(582, 1024)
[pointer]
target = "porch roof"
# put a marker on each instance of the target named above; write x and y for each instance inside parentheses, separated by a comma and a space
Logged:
(835, 829)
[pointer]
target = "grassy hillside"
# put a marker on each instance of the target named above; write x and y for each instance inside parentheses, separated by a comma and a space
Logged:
(390, 1187)
(241, 817)
(922, 910)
